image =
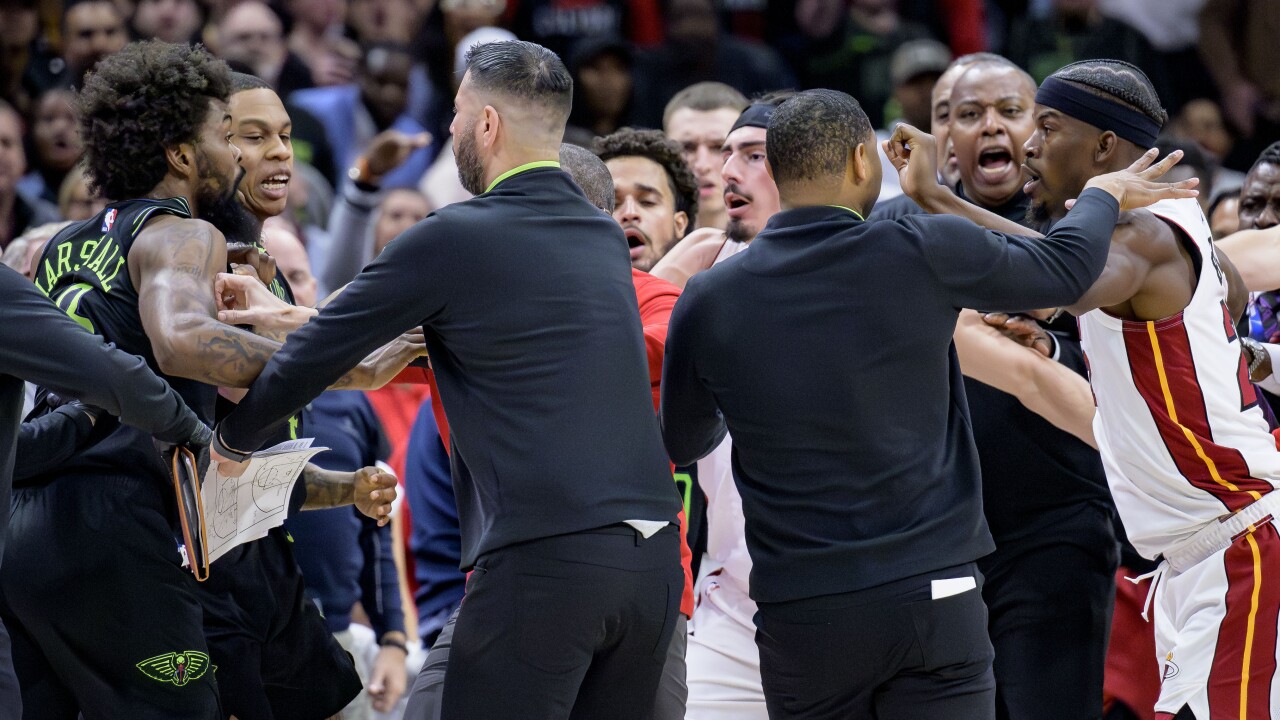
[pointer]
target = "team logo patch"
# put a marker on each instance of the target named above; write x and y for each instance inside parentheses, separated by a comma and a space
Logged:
(1170, 670)
(108, 220)
(178, 668)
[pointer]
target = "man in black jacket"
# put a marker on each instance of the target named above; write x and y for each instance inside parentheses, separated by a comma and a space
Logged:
(526, 300)
(852, 447)
(40, 344)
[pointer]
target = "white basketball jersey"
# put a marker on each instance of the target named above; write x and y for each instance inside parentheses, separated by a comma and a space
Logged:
(1178, 426)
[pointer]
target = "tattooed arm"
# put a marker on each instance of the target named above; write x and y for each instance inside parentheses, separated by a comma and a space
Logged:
(370, 489)
(173, 263)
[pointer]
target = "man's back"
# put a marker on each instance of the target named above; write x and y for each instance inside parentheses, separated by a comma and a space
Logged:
(818, 385)
(526, 299)
(852, 445)
(538, 351)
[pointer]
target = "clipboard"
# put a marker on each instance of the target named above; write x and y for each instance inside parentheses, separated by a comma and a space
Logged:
(186, 488)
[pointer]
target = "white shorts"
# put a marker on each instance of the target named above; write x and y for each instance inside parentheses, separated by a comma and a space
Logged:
(1216, 629)
(722, 659)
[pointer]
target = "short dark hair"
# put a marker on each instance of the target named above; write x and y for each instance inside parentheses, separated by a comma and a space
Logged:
(1121, 82)
(241, 82)
(522, 70)
(590, 173)
(652, 144)
(149, 96)
(704, 97)
(811, 134)
(1270, 156)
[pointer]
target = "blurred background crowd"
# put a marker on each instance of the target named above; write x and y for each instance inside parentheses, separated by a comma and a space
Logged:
(363, 78)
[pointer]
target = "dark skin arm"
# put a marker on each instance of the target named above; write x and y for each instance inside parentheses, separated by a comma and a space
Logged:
(370, 489)
(173, 265)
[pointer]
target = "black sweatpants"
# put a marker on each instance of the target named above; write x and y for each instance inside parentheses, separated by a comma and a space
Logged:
(910, 649)
(571, 626)
(1050, 596)
(103, 617)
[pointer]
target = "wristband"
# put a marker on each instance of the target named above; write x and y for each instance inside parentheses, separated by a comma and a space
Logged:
(392, 642)
(226, 452)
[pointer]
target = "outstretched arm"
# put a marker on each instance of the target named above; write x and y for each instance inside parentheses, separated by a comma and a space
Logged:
(1144, 256)
(912, 152)
(1257, 254)
(41, 345)
(1045, 387)
(406, 285)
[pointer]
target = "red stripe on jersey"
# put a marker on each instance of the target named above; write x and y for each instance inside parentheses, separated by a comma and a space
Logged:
(1227, 325)
(1244, 661)
(1164, 372)
(1248, 395)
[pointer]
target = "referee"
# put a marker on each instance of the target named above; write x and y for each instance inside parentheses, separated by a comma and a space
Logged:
(40, 344)
(852, 445)
(567, 510)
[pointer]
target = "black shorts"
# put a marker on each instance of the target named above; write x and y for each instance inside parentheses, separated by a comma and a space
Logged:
(277, 659)
(103, 618)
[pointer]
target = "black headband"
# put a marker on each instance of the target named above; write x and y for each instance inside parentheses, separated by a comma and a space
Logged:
(755, 116)
(1104, 114)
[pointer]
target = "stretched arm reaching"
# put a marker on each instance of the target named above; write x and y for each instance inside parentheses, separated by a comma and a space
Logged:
(1256, 253)
(41, 345)
(1047, 388)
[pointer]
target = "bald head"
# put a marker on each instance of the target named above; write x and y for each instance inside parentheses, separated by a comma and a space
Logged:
(992, 117)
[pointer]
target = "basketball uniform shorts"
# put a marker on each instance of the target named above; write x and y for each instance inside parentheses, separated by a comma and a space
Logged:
(1216, 627)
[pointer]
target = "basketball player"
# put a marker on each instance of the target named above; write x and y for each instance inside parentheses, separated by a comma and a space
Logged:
(98, 532)
(656, 195)
(276, 656)
(135, 274)
(42, 345)
(1187, 453)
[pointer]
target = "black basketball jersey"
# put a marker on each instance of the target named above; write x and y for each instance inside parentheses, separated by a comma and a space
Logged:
(293, 429)
(85, 270)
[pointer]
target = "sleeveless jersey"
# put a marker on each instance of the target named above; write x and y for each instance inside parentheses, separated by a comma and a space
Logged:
(293, 429)
(85, 270)
(1178, 424)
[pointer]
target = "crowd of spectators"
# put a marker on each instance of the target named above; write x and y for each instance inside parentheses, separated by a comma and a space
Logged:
(369, 86)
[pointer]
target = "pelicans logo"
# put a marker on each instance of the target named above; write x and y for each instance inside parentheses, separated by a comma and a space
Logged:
(178, 668)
